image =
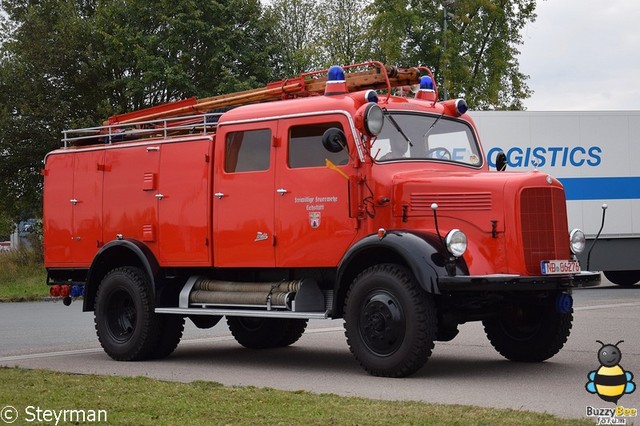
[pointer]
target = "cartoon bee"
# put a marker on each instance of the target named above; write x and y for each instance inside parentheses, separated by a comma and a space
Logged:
(610, 381)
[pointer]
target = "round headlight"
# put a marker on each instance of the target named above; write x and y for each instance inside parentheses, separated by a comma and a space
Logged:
(578, 241)
(373, 119)
(456, 242)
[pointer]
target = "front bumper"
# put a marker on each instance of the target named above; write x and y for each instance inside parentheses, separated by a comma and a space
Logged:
(508, 283)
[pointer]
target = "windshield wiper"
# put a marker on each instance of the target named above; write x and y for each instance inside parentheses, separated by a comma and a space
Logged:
(397, 126)
(424, 137)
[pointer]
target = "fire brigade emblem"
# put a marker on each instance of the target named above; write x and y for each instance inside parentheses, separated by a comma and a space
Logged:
(314, 219)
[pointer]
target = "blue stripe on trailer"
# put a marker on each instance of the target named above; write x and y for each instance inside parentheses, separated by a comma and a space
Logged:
(602, 188)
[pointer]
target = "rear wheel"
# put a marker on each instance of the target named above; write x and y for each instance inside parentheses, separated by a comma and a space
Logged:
(295, 330)
(623, 278)
(262, 333)
(529, 332)
(127, 327)
(390, 321)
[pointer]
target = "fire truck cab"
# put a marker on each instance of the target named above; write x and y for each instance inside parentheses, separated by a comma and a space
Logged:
(350, 201)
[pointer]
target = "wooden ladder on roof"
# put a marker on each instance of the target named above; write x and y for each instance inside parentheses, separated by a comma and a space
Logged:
(377, 76)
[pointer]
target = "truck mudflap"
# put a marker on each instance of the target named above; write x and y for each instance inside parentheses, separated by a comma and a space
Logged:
(506, 282)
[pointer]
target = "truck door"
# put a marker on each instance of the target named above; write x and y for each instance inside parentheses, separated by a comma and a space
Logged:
(87, 206)
(244, 196)
(313, 227)
(130, 193)
(58, 208)
(184, 206)
(73, 207)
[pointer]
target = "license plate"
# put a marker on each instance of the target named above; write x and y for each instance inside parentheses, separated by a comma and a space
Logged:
(553, 267)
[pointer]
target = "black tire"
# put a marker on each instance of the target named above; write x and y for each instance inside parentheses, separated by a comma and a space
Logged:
(390, 322)
(623, 278)
(170, 328)
(295, 330)
(127, 327)
(529, 332)
(258, 333)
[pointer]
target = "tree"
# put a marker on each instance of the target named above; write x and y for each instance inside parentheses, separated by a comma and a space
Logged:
(476, 57)
(482, 53)
(343, 26)
(296, 36)
(69, 64)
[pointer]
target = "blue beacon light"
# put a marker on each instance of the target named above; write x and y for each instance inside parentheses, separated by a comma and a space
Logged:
(427, 89)
(336, 82)
(426, 83)
(335, 74)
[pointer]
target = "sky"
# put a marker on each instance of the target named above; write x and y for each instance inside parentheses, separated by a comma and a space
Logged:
(583, 55)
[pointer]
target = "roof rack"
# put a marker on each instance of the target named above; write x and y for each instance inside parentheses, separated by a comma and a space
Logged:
(162, 127)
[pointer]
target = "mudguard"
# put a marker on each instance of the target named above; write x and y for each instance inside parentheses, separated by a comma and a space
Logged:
(126, 252)
(423, 253)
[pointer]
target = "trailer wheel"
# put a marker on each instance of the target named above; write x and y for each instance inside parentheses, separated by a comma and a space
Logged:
(529, 333)
(623, 278)
(390, 321)
(170, 328)
(258, 333)
(125, 321)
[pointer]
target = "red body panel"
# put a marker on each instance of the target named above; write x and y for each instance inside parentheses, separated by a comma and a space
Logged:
(148, 192)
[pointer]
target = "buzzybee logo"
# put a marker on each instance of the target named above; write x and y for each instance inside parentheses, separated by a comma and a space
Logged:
(610, 381)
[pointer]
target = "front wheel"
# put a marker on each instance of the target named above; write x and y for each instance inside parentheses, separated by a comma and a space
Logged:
(390, 321)
(127, 327)
(529, 332)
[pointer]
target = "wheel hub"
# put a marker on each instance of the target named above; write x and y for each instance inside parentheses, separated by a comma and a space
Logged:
(122, 316)
(382, 323)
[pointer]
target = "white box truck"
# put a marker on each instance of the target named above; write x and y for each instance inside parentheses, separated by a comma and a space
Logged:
(596, 156)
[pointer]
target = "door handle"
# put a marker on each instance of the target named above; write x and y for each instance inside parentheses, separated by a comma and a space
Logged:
(218, 195)
(281, 191)
(159, 196)
(73, 201)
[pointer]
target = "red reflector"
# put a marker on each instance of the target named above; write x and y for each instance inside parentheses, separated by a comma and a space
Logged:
(54, 291)
(65, 290)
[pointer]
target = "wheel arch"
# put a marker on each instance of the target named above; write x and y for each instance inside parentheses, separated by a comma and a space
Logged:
(114, 254)
(422, 253)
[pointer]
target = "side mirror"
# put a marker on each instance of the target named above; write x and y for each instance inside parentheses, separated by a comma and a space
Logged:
(334, 140)
(501, 161)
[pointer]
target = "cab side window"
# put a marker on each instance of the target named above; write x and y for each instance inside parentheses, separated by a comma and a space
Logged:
(306, 149)
(247, 151)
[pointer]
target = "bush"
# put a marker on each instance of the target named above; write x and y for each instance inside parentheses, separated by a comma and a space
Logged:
(22, 275)
(15, 262)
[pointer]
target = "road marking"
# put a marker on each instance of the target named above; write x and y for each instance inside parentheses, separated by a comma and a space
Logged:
(616, 305)
(49, 354)
(183, 342)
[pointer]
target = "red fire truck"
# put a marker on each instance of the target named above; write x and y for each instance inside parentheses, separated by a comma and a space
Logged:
(331, 195)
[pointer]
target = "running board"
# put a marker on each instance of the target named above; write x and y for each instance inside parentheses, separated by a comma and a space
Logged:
(243, 313)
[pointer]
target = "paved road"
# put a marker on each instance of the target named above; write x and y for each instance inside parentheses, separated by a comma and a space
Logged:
(464, 371)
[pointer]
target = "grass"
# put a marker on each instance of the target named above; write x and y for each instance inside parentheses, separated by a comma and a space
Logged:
(144, 401)
(22, 276)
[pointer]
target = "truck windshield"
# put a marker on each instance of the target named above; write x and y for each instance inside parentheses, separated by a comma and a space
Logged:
(431, 137)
